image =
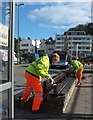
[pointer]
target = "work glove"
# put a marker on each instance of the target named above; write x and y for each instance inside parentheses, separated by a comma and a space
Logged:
(48, 76)
(52, 81)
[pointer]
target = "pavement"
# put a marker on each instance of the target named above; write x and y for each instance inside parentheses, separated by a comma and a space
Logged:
(79, 106)
(82, 100)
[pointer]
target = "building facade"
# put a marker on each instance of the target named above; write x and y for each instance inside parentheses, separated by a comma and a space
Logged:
(30, 46)
(42, 45)
(27, 46)
(48, 46)
(76, 41)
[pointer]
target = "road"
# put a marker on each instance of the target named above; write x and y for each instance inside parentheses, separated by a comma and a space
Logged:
(19, 79)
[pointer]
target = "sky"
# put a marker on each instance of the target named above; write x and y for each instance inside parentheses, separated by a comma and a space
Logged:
(41, 20)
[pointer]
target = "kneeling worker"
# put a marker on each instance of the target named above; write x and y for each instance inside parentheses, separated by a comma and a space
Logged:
(37, 70)
(77, 66)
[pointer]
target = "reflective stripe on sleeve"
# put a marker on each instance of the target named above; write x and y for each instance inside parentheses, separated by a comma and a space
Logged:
(38, 68)
(33, 66)
(39, 62)
(42, 64)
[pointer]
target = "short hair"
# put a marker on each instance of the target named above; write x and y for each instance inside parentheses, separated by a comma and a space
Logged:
(42, 54)
(56, 55)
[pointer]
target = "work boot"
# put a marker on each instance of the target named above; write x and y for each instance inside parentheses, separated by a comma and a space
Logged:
(77, 83)
(81, 83)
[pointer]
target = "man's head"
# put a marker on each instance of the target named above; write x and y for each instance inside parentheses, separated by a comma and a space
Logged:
(55, 58)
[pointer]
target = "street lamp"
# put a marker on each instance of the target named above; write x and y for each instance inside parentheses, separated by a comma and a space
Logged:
(18, 58)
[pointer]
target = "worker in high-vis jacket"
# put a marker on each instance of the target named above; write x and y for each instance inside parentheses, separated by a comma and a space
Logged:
(37, 70)
(77, 66)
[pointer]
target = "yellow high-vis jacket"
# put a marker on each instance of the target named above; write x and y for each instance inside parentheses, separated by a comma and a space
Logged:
(39, 67)
(76, 65)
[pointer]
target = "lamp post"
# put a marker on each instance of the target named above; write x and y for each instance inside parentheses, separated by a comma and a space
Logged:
(18, 58)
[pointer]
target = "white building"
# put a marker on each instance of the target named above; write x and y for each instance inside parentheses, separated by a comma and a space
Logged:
(29, 45)
(43, 45)
(47, 46)
(75, 39)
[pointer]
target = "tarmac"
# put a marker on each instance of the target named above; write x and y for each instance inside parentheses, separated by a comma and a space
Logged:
(79, 106)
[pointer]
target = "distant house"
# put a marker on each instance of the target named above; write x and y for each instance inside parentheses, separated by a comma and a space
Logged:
(27, 46)
(30, 46)
(47, 46)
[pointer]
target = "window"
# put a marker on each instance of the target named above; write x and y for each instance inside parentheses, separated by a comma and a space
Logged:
(4, 36)
(73, 33)
(70, 38)
(79, 47)
(58, 38)
(88, 38)
(4, 41)
(58, 43)
(58, 47)
(69, 42)
(24, 45)
(83, 38)
(6, 50)
(87, 47)
(26, 50)
(74, 38)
